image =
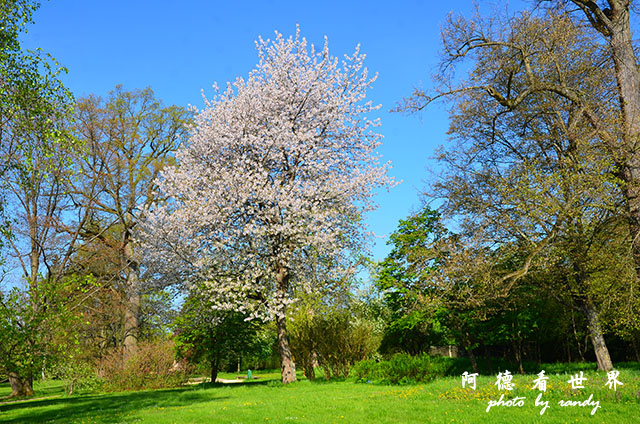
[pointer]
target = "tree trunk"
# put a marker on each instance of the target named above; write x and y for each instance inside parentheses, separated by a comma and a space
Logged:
(310, 366)
(636, 351)
(132, 308)
(631, 192)
(309, 371)
(327, 372)
(597, 338)
(618, 33)
(20, 386)
(488, 356)
(472, 358)
(634, 343)
(131, 324)
(467, 347)
(516, 342)
(575, 335)
(627, 73)
(288, 370)
(214, 369)
(518, 355)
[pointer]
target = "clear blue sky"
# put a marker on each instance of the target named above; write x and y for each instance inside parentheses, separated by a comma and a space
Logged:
(181, 47)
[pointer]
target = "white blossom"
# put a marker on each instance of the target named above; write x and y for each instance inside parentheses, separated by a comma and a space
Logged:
(278, 171)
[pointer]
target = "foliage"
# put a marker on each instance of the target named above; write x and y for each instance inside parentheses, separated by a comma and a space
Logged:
(612, 21)
(36, 235)
(282, 152)
(529, 174)
(412, 256)
(127, 138)
(264, 353)
(414, 333)
(403, 278)
(272, 185)
(36, 337)
(333, 337)
(102, 302)
(157, 314)
(343, 340)
(412, 369)
(151, 366)
(203, 333)
(437, 298)
(403, 368)
(78, 375)
(16, 14)
(28, 80)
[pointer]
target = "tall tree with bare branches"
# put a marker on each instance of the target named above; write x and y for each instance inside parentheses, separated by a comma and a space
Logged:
(128, 137)
(536, 158)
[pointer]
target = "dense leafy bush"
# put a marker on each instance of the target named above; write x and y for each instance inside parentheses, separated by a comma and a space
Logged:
(332, 338)
(151, 366)
(407, 369)
(222, 339)
(78, 375)
(404, 369)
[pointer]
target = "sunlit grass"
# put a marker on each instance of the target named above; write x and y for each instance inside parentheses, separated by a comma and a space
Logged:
(265, 400)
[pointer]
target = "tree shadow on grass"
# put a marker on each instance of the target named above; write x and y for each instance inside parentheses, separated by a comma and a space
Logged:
(49, 390)
(627, 366)
(105, 408)
(332, 380)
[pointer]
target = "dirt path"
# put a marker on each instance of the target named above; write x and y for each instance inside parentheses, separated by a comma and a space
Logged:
(222, 380)
(218, 380)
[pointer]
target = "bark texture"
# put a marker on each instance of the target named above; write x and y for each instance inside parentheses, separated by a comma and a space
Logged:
(286, 359)
(288, 370)
(20, 386)
(628, 80)
(614, 24)
(214, 368)
(132, 310)
(597, 338)
(469, 349)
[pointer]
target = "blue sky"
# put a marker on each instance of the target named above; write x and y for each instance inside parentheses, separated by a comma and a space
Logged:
(180, 48)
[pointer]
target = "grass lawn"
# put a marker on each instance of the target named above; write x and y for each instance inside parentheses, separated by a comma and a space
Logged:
(266, 401)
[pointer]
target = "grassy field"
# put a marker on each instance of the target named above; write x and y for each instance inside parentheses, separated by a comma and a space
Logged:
(266, 401)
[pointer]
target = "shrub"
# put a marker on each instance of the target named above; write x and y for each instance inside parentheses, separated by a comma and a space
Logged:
(333, 337)
(403, 369)
(367, 370)
(78, 375)
(151, 366)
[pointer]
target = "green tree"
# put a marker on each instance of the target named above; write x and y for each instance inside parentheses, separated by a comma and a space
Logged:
(335, 328)
(34, 337)
(438, 293)
(612, 21)
(529, 172)
(127, 139)
(41, 225)
(401, 277)
(203, 333)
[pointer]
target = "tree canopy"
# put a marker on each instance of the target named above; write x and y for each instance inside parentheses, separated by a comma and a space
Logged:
(276, 175)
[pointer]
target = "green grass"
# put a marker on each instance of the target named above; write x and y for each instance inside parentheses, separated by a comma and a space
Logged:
(43, 389)
(264, 400)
